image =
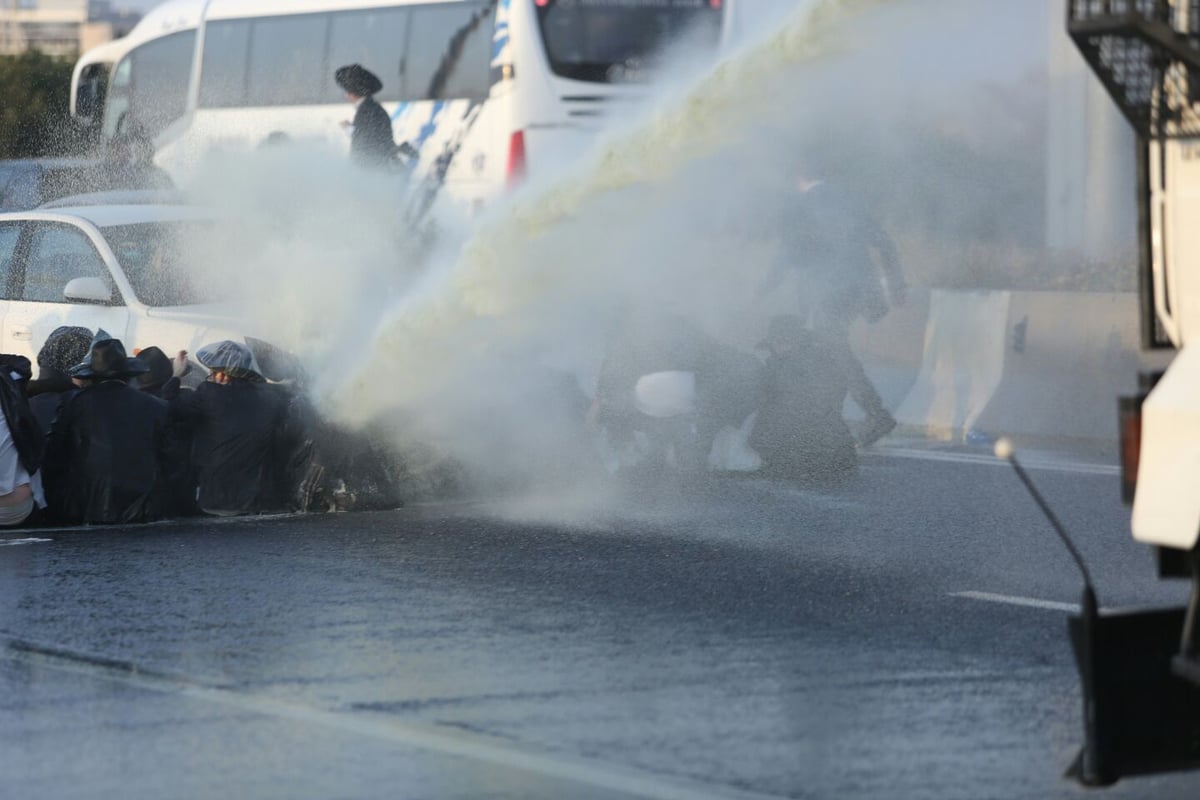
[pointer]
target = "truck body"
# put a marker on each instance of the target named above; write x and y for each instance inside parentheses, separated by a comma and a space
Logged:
(1140, 671)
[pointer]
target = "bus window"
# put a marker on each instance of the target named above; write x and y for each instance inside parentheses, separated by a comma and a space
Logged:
(223, 67)
(374, 39)
(285, 65)
(615, 40)
(449, 51)
(150, 85)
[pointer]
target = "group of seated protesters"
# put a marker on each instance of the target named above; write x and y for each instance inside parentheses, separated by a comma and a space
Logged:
(104, 437)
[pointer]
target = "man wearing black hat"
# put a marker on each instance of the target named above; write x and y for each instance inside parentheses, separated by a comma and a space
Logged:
(103, 460)
(371, 142)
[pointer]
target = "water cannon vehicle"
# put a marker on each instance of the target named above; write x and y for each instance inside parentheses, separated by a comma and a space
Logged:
(1140, 670)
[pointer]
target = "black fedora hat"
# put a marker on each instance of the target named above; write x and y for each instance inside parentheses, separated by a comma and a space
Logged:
(106, 360)
(158, 369)
(357, 79)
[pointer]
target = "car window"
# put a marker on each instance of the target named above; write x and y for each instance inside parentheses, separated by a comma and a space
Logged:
(10, 234)
(57, 255)
(164, 261)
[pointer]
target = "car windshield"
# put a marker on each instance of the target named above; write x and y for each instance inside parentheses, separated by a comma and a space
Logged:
(155, 259)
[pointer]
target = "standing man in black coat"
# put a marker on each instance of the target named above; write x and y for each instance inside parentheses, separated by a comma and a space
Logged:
(103, 460)
(371, 142)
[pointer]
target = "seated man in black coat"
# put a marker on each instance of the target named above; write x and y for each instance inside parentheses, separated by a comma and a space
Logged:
(250, 446)
(103, 461)
(21, 445)
(65, 347)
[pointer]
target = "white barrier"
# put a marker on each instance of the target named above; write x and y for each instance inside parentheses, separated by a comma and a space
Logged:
(1022, 364)
(961, 365)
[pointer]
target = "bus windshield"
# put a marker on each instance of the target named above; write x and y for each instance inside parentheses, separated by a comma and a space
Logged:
(617, 41)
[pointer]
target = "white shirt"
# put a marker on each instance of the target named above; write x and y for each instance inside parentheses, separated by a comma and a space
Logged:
(12, 474)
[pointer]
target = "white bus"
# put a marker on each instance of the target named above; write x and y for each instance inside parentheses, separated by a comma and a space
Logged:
(483, 89)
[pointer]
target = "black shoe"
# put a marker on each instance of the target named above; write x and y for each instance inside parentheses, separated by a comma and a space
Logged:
(878, 426)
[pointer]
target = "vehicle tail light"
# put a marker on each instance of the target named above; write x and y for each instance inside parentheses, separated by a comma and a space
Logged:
(1129, 417)
(541, 3)
(714, 3)
(516, 159)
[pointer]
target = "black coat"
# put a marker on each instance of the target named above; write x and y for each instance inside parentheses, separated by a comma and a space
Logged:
(104, 456)
(247, 441)
(27, 435)
(45, 397)
(371, 144)
(799, 431)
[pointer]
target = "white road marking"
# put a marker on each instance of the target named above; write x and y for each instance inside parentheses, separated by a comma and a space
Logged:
(9, 542)
(1013, 600)
(174, 522)
(437, 738)
(1033, 462)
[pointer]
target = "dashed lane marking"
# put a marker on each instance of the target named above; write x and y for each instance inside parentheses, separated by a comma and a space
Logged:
(1013, 600)
(12, 542)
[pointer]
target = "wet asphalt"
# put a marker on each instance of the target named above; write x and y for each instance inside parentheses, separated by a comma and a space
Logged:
(732, 638)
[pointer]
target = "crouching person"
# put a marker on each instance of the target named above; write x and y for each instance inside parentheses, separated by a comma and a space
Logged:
(21, 444)
(250, 445)
(104, 454)
(65, 347)
(800, 432)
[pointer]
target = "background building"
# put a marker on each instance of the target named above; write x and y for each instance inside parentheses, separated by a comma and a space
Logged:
(60, 27)
(1090, 156)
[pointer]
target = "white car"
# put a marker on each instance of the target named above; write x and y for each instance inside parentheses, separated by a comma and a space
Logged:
(123, 268)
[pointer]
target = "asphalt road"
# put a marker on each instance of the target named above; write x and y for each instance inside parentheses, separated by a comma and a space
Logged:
(902, 636)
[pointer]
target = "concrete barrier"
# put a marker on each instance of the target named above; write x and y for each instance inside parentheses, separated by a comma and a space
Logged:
(1068, 355)
(962, 363)
(1021, 364)
(1029, 365)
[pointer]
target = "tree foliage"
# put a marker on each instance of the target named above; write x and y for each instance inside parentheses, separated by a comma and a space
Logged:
(35, 115)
